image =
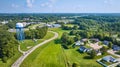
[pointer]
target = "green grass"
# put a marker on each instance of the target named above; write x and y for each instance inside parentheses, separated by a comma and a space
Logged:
(59, 31)
(82, 59)
(11, 60)
(33, 26)
(69, 25)
(53, 55)
(73, 56)
(48, 55)
(28, 43)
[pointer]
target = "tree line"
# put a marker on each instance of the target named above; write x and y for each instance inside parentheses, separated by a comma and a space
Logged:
(37, 33)
(8, 44)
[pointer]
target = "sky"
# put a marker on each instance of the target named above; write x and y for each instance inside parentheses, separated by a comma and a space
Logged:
(59, 6)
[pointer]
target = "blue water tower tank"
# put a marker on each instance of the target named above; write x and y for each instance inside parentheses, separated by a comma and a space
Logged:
(20, 31)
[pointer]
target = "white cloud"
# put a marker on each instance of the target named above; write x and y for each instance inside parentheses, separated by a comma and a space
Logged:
(52, 1)
(49, 3)
(108, 2)
(14, 6)
(29, 3)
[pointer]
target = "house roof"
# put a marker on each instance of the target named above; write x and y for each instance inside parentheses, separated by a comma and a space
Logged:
(95, 39)
(109, 58)
(106, 42)
(115, 47)
(83, 48)
(79, 43)
(85, 39)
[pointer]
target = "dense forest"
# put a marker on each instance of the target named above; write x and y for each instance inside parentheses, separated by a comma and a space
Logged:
(8, 44)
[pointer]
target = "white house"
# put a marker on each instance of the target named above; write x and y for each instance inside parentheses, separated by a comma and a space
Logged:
(78, 43)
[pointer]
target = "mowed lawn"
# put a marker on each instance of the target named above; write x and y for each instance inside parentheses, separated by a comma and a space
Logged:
(52, 55)
(48, 55)
(30, 43)
(74, 56)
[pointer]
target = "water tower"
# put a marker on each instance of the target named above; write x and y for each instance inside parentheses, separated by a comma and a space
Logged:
(20, 31)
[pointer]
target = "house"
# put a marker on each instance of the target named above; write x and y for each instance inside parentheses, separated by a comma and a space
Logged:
(83, 49)
(56, 25)
(106, 42)
(84, 40)
(49, 25)
(98, 52)
(116, 48)
(53, 25)
(4, 22)
(78, 43)
(95, 39)
(109, 59)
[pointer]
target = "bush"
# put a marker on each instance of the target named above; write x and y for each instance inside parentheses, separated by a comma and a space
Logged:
(4, 59)
(75, 65)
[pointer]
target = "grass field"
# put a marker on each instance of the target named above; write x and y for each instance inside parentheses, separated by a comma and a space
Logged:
(73, 56)
(34, 26)
(69, 25)
(48, 55)
(53, 55)
(31, 43)
(11, 60)
(82, 59)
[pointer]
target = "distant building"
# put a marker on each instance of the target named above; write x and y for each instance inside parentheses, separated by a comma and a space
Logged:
(4, 22)
(49, 25)
(78, 43)
(53, 25)
(116, 47)
(98, 52)
(95, 39)
(84, 49)
(84, 40)
(109, 59)
(106, 42)
(56, 25)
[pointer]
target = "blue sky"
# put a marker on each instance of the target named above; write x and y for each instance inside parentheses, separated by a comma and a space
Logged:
(59, 6)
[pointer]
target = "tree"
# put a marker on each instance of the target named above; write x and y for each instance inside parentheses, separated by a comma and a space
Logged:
(77, 37)
(70, 41)
(75, 27)
(8, 45)
(103, 50)
(64, 37)
(75, 64)
(119, 35)
(93, 54)
(110, 45)
(37, 33)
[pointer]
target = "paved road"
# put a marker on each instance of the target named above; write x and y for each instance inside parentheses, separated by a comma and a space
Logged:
(21, 59)
(113, 53)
